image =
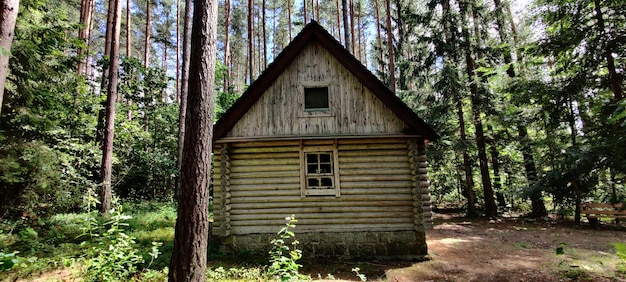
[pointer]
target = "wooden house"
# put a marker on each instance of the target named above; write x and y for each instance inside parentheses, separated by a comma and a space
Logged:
(318, 136)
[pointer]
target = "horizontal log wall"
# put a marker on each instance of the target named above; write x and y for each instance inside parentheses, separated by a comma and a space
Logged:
(263, 187)
(353, 108)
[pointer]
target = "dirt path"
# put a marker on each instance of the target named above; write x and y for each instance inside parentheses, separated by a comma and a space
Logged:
(506, 250)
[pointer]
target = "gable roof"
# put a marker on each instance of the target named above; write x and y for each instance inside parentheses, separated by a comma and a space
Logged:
(313, 32)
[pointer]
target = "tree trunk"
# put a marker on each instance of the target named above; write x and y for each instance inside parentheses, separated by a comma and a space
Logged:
(491, 210)
(346, 27)
(146, 55)
(338, 20)
(178, 51)
(304, 11)
(114, 67)
(250, 38)
(227, 44)
(85, 13)
(495, 165)
(351, 5)
(8, 11)
(128, 42)
(264, 35)
(379, 38)
(614, 78)
(536, 198)
(105, 72)
(184, 73)
(189, 259)
(289, 18)
(392, 67)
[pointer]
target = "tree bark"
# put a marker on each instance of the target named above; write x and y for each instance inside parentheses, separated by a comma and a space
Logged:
(392, 67)
(8, 11)
(146, 54)
(184, 73)
(351, 5)
(264, 35)
(227, 44)
(491, 210)
(346, 27)
(379, 38)
(105, 72)
(338, 20)
(189, 260)
(85, 13)
(536, 198)
(304, 11)
(614, 78)
(128, 42)
(177, 51)
(289, 18)
(114, 66)
(250, 38)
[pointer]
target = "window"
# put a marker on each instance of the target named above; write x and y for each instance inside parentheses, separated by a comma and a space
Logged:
(316, 99)
(319, 169)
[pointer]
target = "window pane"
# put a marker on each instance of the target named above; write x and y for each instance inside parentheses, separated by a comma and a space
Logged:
(327, 181)
(313, 182)
(311, 168)
(316, 98)
(325, 158)
(325, 168)
(311, 158)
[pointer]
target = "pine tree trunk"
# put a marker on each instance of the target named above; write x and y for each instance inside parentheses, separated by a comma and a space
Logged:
(189, 259)
(338, 20)
(146, 54)
(227, 45)
(614, 78)
(536, 198)
(379, 39)
(8, 11)
(178, 51)
(304, 11)
(346, 27)
(264, 35)
(250, 38)
(184, 85)
(82, 33)
(491, 210)
(392, 67)
(128, 42)
(107, 151)
(289, 18)
(105, 74)
(351, 5)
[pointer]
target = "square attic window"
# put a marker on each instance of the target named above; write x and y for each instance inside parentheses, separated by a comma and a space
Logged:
(316, 99)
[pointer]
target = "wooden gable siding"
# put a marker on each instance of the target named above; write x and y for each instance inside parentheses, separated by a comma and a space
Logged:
(354, 109)
(260, 185)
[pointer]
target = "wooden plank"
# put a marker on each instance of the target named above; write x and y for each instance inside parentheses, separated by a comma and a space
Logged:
(376, 169)
(355, 198)
(275, 193)
(365, 153)
(304, 218)
(264, 150)
(249, 168)
(321, 209)
(318, 204)
(328, 221)
(286, 155)
(377, 185)
(373, 141)
(374, 159)
(601, 205)
(264, 162)
(264, 187)
(374, 178)
(257, 144)
(265, 174)
(373, 146)
(252, 181)
(242, 230)
(370, 191)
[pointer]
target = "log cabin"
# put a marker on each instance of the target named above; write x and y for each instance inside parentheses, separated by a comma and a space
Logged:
(318, 136)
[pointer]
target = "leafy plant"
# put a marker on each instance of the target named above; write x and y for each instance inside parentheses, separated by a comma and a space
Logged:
(283, 265)
(115, 256)
(358, 274)
(9, 260)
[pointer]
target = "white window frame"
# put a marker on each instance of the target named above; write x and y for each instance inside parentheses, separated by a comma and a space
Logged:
(305, 190)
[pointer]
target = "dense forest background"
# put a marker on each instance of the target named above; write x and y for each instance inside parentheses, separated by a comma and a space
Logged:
(529, 104)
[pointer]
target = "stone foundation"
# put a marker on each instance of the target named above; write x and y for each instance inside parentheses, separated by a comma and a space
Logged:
(384, 245)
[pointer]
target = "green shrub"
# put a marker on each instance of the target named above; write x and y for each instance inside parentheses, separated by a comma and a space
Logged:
(283, 265)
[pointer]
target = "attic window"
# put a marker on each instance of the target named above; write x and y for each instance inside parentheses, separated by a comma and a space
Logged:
(316, 99)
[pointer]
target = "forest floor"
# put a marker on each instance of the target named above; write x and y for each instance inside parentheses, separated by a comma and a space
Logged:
(509, 249)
